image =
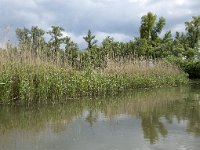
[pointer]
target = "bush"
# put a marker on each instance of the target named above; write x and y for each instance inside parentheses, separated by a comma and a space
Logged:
(191, 67)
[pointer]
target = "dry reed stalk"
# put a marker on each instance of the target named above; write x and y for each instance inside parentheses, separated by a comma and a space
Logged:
(19, 58)
(141, 67)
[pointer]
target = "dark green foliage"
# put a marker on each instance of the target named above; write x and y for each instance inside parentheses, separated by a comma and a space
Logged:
(192, 68)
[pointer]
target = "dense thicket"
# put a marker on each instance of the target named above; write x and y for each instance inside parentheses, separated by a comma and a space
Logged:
(182, 49)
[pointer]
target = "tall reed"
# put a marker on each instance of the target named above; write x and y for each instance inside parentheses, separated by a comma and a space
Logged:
(27, 79)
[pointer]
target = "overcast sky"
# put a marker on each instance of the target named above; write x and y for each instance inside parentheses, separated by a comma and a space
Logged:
(117, 18)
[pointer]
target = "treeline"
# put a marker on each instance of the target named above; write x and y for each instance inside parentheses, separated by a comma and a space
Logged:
(182, 49)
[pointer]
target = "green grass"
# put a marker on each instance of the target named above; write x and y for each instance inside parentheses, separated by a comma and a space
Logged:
(27, 83)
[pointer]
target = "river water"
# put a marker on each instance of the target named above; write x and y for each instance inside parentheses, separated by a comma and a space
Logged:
(150, 119)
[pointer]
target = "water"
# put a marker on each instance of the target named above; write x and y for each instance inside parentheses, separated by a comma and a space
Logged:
(151, 119)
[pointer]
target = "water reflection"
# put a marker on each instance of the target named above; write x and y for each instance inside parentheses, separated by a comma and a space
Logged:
(154, 110)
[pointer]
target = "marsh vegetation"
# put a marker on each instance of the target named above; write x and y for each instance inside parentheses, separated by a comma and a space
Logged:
(41, 71)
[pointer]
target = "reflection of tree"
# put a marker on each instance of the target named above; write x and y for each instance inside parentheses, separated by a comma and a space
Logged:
(183, 109)
(35, 118)
(150, 106)
(152, 126)
(91, 118)
(59, 126)
(192, 108)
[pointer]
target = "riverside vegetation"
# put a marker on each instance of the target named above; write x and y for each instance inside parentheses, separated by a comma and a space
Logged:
(39, 71)
(30, 82)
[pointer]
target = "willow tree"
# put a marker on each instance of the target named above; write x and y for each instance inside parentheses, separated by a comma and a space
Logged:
(158, 28)
(150, 28)
(147, 25)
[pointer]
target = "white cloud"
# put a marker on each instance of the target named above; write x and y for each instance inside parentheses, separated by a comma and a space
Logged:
(100, 36)
(75, 38)
(117, 36)
(179, 28)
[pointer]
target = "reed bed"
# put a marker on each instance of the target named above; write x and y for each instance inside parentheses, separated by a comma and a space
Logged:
(26, 79)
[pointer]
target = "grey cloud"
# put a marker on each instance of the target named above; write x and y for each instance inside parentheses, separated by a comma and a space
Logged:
(115, 17)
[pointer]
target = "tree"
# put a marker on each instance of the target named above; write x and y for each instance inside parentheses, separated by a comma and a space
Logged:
(184, 44)
(56, 39)
(193, 32)
(71, 51)
(90, 39)
(147, 25)
(149, 28)
(107, 46)
(24, 38)
(167, 44)
(158, 28)
(37, 39)
(141, 47)
(178, 45)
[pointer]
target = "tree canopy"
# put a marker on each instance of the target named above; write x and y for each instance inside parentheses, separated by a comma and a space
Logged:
(179, 46)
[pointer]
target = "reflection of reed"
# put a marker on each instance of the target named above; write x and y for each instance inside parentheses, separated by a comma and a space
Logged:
(36, 118)
(131, 103)
(144, 102)
(150, 106)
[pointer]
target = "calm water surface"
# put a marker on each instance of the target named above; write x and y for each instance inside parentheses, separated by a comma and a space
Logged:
(154, 119)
